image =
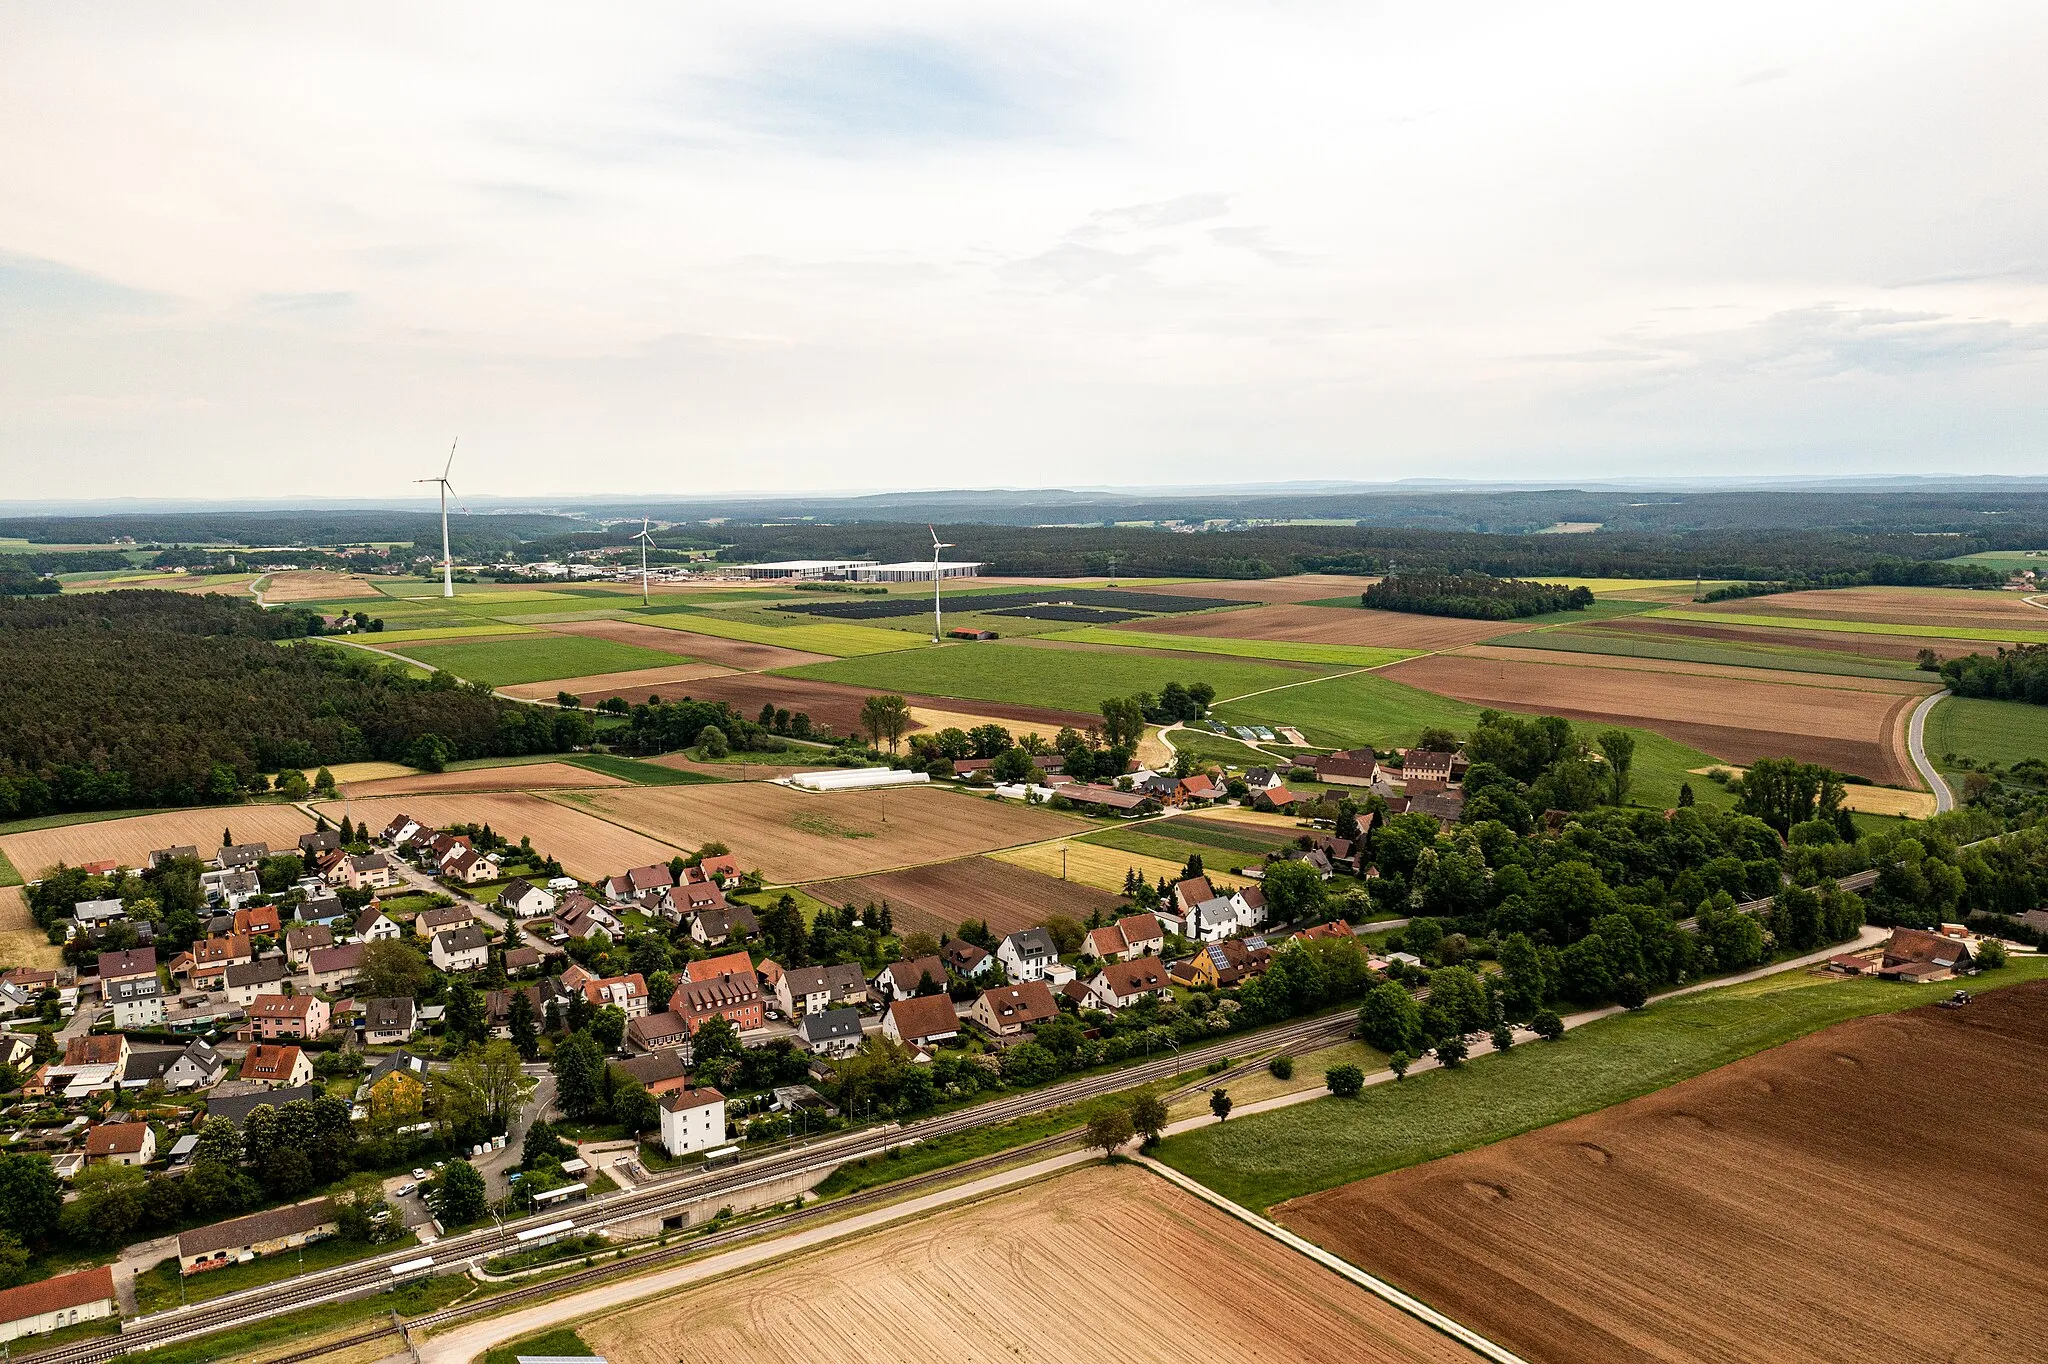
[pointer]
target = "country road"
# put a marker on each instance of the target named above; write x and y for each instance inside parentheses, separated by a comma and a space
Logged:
(1916, 748)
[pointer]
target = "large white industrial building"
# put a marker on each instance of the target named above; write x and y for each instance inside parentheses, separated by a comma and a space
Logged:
(860, 571)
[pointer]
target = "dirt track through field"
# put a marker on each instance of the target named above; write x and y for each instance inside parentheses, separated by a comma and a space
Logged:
(1851, 730)
(1101, 1266)
(1869, 1194)
(798, 836)
(1333, 625)
(586, 846)
(516, 777)
(728, 653)
(936, 898)
(130, 841)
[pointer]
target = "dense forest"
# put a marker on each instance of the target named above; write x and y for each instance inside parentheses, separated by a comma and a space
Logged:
(156, 698)
(1883, 573)
(1473, 596)
(2016, 674)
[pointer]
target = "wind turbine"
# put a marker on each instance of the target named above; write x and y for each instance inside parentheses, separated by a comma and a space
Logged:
(447, 559)
(938, 617)
(645, 540)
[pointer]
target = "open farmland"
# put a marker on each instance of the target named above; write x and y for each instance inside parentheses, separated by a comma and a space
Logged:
(1337, 655)
(1934, 607)
(1354, 625)
(1190, 1286)
(21, 942)
(511, 777)
(130, 841)
(586, 846)
(1092, 864)
(798, 836)
(536, 658)
(1300, 587)
(673, 638)
(1853, 726)
(937, 897)
(1779, 1208)
(603, 685)
(2016, 632)
(1056, 678)
(831, 638)
(317, 585)
(833, 703)
(1749, 653)
(1988, 731)
(1901, 648)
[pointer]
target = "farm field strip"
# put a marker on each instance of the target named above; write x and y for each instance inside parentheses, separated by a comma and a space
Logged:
(1888, 648)
(1091, 864)
(1351, 625)
(607, 683)
(1347, 655)
(973, 1283)
(587, 846)
(1775, 658)
(1987, 731)
(438, 632)
(1298, 588)
(839, 641)
(129, 841)
(1931, 606)
(2018, 634)
(937, 897)
(1763, 1182)
(795, 837)
(1890, 682)
(1143, 843)
(317, 585)
(517, 777)
(537, 658)
(730, 653)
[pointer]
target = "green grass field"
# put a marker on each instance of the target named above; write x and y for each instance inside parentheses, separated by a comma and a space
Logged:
(8, 875)
(841, 641)
(1059, 678)
(1163, 841)
(438, 632)
(1989, 731)
(1782, 658)
(2007, 560)
(1341, 655)
(2015, 635)
(1268, 1157)
(537, 658)
(635, 771)
(1365, 708)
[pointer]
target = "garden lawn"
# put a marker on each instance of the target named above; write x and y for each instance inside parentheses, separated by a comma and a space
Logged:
(1341, 655)
(1270, 1157)
(1060, 679)
(1989, 731)
(537, 658)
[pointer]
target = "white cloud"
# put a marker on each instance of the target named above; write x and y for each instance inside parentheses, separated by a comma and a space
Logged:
(659, 248)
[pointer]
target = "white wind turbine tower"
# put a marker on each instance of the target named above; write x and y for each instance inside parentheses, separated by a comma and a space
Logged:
(447, 559)
(938, 618)
(645, 540)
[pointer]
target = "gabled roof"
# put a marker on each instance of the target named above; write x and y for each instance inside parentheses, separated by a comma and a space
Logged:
(907, 974)
(262, 971)
(256, 1228)
(139, 961)
(924, 1016)
(267, 1061)
(237, 1107)
(396, 1014)
(963, 956)
(831, 1025)
(95, 1049)
(711, 967)
(465, 939)
(346, 956)
(116, 1139)
(62, 1293)
(1031, 942)
(1191, 892)
(1137, 928)
(677, 1100)
(1133, 977)
(1029, 1002)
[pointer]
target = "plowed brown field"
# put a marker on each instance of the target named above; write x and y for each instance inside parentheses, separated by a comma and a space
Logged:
(729, 653)
(1929, 606)
(1835, 642)
(798, 836)
(1333, 625)
(1101, 1266)
(130, 841)
(586, 846)
(1869, 1194)
(514, 777)
(1850, 730)
(936, 898)
(1300, 587)
(838, 705)
(318, 585)
(605, 685)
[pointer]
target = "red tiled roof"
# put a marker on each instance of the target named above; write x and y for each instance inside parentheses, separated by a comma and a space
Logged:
(116, 1139)
(50, 1295)
(924, 1016)
(731, 963)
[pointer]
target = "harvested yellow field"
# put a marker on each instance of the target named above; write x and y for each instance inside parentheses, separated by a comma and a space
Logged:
(1091, 864)
(586, 846)
(799, 836)
(1107, 1265)
(1869, 800)
(607, 683)
(315, 584)
(14, 915)
(21, 942)
(1238, 814)
(130, 841)
(367, 771)
(931, 717)
(510, 777)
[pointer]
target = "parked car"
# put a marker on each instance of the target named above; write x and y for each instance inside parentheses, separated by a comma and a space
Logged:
(419, 1173)
(405, 1191)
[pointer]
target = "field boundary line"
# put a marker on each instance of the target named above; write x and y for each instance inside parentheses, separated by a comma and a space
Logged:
(1339, 1266)
(1306, 682)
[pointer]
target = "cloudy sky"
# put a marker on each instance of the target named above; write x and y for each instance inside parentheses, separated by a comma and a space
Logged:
(294, 250)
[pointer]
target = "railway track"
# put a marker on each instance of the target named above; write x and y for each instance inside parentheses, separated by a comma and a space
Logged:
(672, 1192)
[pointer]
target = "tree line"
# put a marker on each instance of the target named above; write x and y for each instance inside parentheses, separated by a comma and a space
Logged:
(2015, 674)
(1473, 596)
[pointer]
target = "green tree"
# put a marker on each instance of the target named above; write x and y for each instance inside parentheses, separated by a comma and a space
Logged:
(392, 969)
(1618, 746)
(465, 1017)
(634, 1109)
(1294, 891)
(716, 1040)
(1547, 1025)
(579, 1074)
(1522, 986)
(219, 1142)
(1399, 1063)
(1390, 1020)
(1148, 1118)
(712, 743)
(464, 1197)
(323, 782)
(1451, 1052)
(884, 716)
(608, 1028)
(1219, 1104)
(1013, 766)
(14, 1259)
(1457, 1003)
(1123, 722)
(430, 753)
(525, 1032)
(1783, 792)
(30, 1196)
(1344, 1081)
(1109, 1130)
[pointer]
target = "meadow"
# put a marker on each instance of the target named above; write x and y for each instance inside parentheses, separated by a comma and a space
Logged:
(1265, 1158)
(1341, 655)
(1760, 655)
(1061, 679)
(536, 658)
(1988, 731)
(840, 641)
(1837, 625)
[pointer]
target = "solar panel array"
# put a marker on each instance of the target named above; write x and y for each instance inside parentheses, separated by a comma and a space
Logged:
(1053, 611)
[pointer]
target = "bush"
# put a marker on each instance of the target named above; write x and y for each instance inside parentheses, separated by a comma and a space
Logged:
(1630, 992)
(1503, 1037)
(1345, 1081)
(1451, 1052)
(1281, 1067)
(1991, 954)
(1547, 1025)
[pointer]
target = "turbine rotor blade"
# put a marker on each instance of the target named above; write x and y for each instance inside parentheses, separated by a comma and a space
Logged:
(451, 457)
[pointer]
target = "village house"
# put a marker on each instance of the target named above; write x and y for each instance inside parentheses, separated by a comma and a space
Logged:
(321, 841)
(902, 979)
(581, 917)
(921, 1021)
(1336, 928)
(716, 925)
(1355, 767)
(240, 855)
(90, 917)
(442, 919)
(366, 871)
(1120, 984)
(521, 961)
(468, 866)
(211, 958)
(335, 968)
(300, 942)
(259, 921)
(659, 1073)
(1008, 1010)
(461, 949)
(692, 1120)
(964, 959)
(257, 1235)
(395, 1087)
(1028, 954)
(388, 1022)
(237, 1107)
(36, 1309)
(401, 830)
(665, 1032)
(1445, 804)
(626, 993)
(718, 869)
(832, 1033)
(244, 984)
(1134, 935)
(277, 1065)
(199, 1066)
(163, 857)
(128, 983)
(1275, 800)
(732, 995)
(1916, 955)
(523, 900)
(1224, 963)
(120, 1143)
(630, 886)
(275, 1016)
(374, 925)
(1109, 800)
(807, 990)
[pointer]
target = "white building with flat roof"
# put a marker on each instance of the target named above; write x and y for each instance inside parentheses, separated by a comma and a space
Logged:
(918, 570)
(808, 568)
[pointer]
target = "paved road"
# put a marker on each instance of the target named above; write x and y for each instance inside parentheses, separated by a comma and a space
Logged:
(1916, 747)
